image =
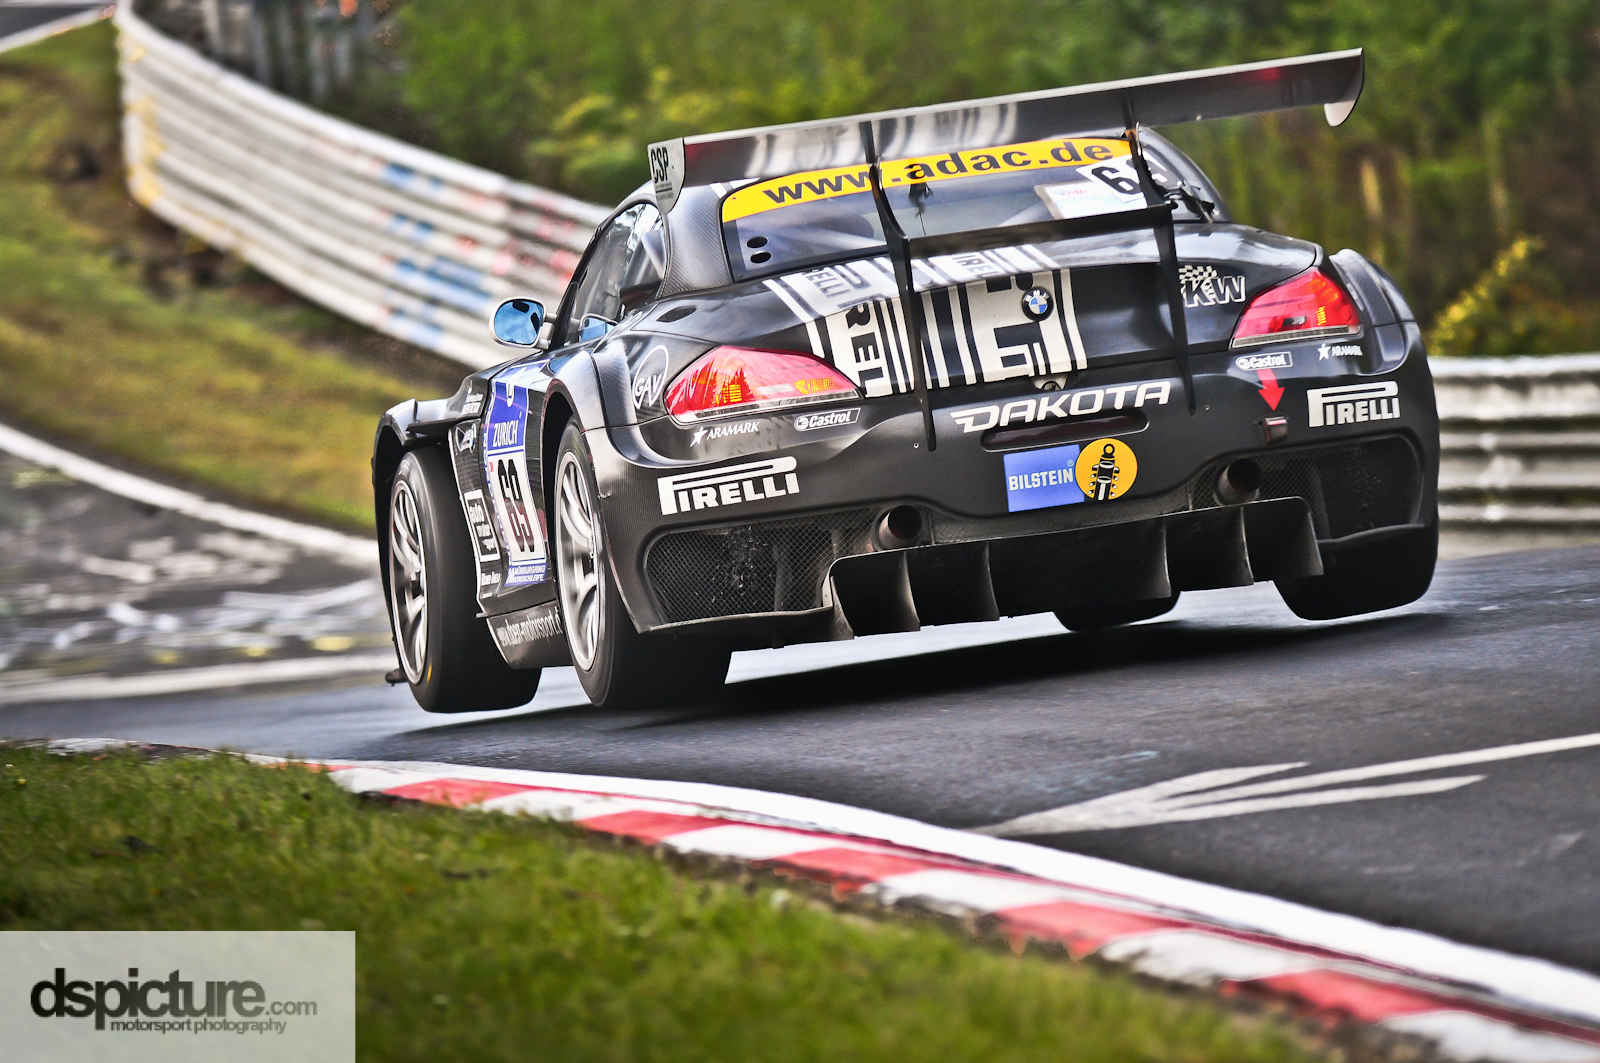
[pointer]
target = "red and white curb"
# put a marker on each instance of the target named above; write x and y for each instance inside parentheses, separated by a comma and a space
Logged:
(1472, 1003)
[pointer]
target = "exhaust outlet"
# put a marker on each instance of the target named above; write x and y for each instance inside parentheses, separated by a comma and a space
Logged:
(1239, 482)
(897, 529)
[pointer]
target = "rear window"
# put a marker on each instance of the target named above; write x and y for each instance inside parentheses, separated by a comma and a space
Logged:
(784, 223)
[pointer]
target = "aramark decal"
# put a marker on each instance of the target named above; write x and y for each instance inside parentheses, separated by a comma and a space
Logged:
(989, 316)
(1208, 286)
(1341, 350)
(728, 486)
(505, 468)
(1354, 403)
(723, 431)
(1063, 404)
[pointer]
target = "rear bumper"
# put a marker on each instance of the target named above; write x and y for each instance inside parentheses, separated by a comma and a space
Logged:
(776, 548)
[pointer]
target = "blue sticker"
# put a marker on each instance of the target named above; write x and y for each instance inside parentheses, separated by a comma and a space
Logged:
(1036, 479)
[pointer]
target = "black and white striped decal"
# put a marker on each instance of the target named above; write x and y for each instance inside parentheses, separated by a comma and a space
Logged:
(977, 330)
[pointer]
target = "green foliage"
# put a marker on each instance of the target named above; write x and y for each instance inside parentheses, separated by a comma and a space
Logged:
(483, 937)
(1480, 119)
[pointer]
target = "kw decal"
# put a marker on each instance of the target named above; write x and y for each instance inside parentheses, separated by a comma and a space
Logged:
(814, 185)
(1209, 286)
(1354, 403)
(1063, 404)
(729, 486)
(1106, 469)
(1217, 793)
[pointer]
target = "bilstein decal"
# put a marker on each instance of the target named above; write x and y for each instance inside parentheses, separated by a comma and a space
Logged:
(1037, 479)
(1106, 469)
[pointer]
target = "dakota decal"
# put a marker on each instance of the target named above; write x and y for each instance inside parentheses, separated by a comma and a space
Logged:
(1063, 404)
(815, 185)
(1209, 286)
(1106, 469)
(728, 486)
(505, 468)
(1037, 479)
(1354, 403)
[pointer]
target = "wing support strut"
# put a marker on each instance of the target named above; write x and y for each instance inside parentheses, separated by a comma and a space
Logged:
(1167, 249)
(899, 246)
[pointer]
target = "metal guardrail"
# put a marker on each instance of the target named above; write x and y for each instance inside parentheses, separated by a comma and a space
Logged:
(1520, 442)
(400, 239)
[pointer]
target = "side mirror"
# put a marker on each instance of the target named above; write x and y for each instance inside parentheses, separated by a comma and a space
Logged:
(517, 322)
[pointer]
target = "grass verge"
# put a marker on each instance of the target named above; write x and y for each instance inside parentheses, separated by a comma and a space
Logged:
(483, 937)
(118, 333)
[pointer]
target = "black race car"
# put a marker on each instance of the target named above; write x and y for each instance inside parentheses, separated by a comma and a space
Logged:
(919, 367)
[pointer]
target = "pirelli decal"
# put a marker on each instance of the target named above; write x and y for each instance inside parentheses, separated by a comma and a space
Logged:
(978, 329)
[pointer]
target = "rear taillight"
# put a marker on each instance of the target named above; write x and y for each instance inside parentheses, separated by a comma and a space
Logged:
(737, 380)
(1302, 308)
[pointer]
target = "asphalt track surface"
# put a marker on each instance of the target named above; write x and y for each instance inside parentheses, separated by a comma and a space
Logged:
(973, 726)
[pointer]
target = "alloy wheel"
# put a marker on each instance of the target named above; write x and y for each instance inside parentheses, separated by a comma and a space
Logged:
(578, 561)
(408, 581)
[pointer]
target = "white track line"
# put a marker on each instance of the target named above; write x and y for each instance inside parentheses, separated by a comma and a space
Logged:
(102, 687)
(117, 482)
(50, 29)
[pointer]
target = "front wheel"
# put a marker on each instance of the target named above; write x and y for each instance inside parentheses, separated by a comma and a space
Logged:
(446, 651)
(617, 666)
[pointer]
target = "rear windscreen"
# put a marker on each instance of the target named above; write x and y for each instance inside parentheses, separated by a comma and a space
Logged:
(824, 215)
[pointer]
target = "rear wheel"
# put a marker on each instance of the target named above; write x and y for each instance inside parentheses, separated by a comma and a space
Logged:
(446, 652)
(1365, 579)
(1113, 614)
(617, 666)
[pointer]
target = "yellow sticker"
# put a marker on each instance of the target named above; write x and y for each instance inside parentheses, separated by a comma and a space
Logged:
(1106, 469)
(815, 185)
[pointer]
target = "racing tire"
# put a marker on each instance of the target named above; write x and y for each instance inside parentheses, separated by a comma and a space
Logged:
(446, 651)
(1364, 579)
(617, 666)
(1113, 614)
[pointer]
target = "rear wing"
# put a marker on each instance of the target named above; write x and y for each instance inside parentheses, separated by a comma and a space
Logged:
(1332, 79)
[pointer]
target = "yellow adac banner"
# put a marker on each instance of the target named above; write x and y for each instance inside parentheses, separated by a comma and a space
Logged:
(847, 180)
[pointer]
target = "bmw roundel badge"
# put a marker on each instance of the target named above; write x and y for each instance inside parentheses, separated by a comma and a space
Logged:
(1037, 304)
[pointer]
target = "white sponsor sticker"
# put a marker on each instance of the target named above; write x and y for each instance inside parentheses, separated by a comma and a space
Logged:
(1063, 404)
(1209, 286)
(1252, 363)
(724, 431)
(810, 422)
(1354, 403)
(1338, 350)
(729, 486)
(650, 378)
